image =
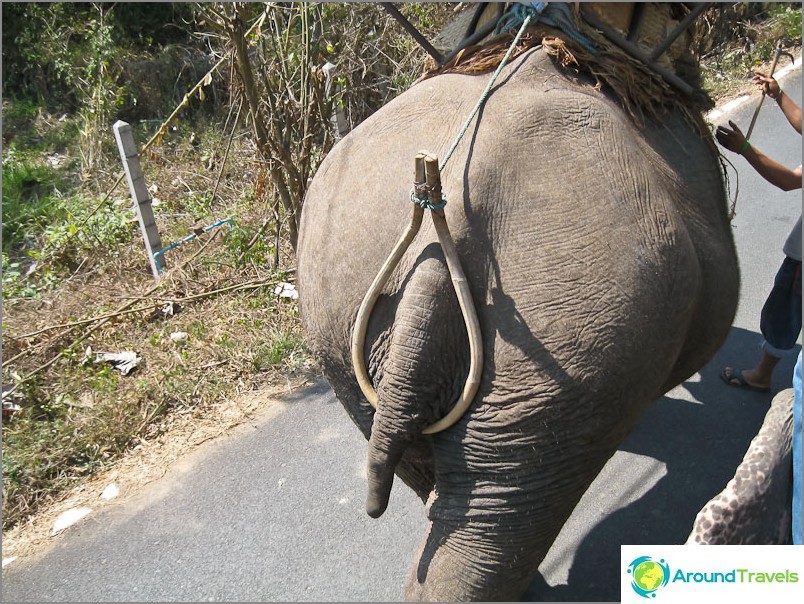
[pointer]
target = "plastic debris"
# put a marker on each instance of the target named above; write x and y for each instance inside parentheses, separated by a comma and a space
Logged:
(10, 398)
(67, 519)
(10, 409)
(167, 310)
(110, 492)
(125, 362)
(7, 561)
(180, 337)
(286, 290)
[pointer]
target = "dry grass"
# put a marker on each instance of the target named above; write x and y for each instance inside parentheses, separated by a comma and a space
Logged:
(83, 424)
(78, 416)
(91, 287)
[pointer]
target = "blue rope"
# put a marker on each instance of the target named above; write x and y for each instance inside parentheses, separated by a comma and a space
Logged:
(486, 92)
(517, 14)
(557, 15)
(424, 201)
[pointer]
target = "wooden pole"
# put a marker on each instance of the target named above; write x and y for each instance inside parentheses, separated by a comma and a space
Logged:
(762, 98)
(426, 170)
(140, 194)
(338, 118)
(461, 286)
(370, 299)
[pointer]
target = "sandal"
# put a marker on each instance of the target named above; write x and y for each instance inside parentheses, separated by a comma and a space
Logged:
(736, 379)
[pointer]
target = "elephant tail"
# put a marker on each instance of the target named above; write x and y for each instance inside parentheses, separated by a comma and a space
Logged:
(383, 458)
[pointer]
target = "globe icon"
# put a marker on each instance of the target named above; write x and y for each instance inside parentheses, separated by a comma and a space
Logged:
(649, 576)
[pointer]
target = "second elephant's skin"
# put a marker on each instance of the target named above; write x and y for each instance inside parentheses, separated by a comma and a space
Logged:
(754, 507)
(603, 269)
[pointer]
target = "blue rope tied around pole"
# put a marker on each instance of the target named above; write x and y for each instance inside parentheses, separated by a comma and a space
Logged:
(423, 201)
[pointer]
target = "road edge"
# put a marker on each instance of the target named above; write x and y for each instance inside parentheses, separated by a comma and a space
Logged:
(734, 103)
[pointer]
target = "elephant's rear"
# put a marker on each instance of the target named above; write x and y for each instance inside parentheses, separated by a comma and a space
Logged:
(581, 234)
(603, 271)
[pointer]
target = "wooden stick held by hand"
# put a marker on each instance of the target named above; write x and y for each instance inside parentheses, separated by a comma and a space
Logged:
(776, 56)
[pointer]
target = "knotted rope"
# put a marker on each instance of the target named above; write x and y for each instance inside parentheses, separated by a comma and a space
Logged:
(420, 195)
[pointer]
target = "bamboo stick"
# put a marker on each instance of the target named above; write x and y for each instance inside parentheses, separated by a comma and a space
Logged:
(461, 286)
(370, 299)
(776, 56)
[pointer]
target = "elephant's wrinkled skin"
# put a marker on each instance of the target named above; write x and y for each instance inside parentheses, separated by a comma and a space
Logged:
(604, 273)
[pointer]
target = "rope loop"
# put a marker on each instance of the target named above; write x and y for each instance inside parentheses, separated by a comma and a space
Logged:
(420, 195)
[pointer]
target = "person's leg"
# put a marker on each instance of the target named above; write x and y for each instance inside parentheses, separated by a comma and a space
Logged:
(780, 324)
(780, 321)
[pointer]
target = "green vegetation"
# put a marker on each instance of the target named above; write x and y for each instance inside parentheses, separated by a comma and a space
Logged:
(737, 39)
(75, 276)
(280, 347)
(28, 196)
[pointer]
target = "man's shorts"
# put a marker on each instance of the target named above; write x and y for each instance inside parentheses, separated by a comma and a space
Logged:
(780, 322)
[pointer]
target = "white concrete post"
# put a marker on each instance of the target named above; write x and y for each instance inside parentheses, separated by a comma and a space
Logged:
(338, 119)
(139, 193)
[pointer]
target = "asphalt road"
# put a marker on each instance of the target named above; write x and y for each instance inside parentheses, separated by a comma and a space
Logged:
(274, 511)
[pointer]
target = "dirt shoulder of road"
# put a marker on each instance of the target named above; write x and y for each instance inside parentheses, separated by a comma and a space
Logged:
(740, 89)
(146, 463)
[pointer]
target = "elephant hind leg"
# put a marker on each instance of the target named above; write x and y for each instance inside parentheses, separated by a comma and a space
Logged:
(472, 563)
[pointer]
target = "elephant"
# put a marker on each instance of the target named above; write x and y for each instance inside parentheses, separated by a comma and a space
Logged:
(602, 267)
(754, 507)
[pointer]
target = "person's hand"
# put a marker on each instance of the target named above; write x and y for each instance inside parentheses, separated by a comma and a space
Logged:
(767, 84)
(732, 139)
